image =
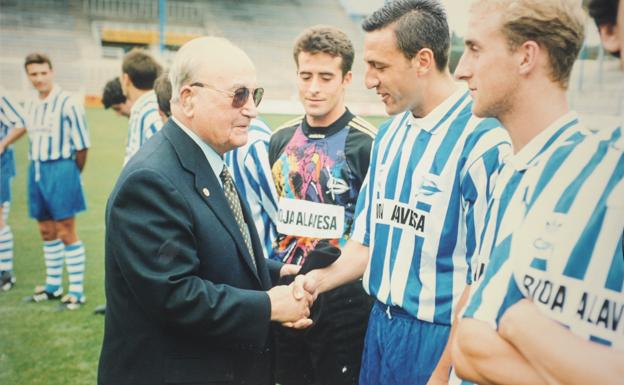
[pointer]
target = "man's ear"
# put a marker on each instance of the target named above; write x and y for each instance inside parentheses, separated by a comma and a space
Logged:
(423, 61)
(528, 57)
(609, 37)
(346, 79)
(186, 101)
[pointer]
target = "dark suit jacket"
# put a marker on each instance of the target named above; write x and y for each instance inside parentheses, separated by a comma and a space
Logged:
(184, 301)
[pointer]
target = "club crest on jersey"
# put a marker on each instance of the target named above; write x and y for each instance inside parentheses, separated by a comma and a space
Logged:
(336, 186)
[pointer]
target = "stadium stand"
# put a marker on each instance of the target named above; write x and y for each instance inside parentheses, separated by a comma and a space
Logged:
(87, 38)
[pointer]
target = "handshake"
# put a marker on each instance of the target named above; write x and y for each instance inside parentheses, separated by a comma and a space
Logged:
(292, 299)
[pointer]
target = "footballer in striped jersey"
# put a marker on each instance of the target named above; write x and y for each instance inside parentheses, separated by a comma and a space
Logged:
(12, 127)
(545, 310)
(59, 140)
(419, 213)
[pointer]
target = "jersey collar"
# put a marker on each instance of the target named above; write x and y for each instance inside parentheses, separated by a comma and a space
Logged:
(558, 132)
(438, 115)
(322, 132)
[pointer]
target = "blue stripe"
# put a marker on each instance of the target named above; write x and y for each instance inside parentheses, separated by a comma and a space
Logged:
(414, 283)
(497, 259)
(615, 277)
(17, 114)
(600, 341)
(455, 131)
(554, 163)
(61, 126)
(569, 195)
(392, 177)
(469, 189)
(578, 262)
(423, 206)
(554, 138)
(451, 111)
(73, 247)
(80, 129)
(444, 258)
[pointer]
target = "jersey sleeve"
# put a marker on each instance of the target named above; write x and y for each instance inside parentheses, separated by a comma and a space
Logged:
(151, 123)
(13, 113)
(477, 185)
(257, 174)
(496, 291)
(74, 112)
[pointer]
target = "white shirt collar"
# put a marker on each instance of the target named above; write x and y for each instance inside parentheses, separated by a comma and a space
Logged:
(430, 122)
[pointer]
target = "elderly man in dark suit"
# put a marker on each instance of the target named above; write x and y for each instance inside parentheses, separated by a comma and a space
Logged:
(188, 289)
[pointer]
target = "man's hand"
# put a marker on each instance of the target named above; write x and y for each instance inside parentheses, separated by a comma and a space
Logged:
(285, 308)
(289, 269)
(303, 288)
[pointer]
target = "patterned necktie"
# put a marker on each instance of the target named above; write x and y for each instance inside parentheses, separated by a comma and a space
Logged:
(232, 198)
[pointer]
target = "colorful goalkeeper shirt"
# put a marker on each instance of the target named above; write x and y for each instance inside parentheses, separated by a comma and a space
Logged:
(318, 172)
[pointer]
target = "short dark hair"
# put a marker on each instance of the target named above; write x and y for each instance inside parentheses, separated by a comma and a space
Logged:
(604, 12)
(112, 93)
(417, 24)
(325, 39)
(162, 88)
(142, 69)
(37, 58)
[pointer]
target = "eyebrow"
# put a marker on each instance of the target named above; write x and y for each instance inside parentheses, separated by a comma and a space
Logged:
(470, 42)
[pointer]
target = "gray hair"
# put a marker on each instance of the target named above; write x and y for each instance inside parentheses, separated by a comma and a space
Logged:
(190, 58)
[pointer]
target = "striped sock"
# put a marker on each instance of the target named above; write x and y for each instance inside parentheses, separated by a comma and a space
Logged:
(6, 209)
(75, 263)
(53, 253)
(6, 249)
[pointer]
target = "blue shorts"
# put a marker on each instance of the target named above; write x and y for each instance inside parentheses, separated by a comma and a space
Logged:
(54, 190)
(400, 349)
(7, 172)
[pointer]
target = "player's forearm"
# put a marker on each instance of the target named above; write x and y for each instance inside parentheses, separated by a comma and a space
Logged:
(347, 268)
(81, 159)
(13, 135)
(556, 353)
(482, 356)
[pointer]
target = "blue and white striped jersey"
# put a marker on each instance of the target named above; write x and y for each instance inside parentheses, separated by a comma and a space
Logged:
(144, 122)
(11, 114)
(421, 208)
(249, 166)
(556, 219)
(56, 126)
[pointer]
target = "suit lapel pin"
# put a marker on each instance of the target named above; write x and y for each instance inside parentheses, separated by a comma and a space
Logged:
(206, 192)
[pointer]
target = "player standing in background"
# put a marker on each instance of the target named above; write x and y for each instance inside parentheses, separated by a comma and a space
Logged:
(162, 88)
(139, 71)
(113, 97)
(12, 127)
(609, 17)
(420, 212)
(319, 163)
(59, 141)
(543, 312)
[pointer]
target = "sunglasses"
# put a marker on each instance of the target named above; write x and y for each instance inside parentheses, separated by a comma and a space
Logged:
(239, 96)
